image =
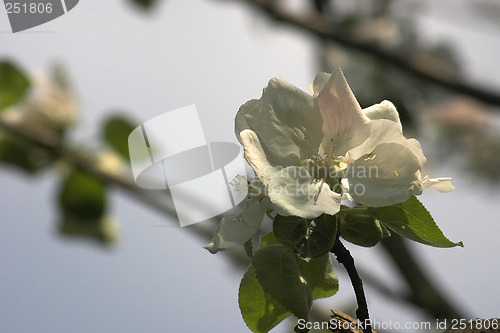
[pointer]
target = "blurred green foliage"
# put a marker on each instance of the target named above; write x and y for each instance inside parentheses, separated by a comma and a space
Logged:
(13, 84)
(83, 201)
(82, 196)
(23, 155)
(115, 132)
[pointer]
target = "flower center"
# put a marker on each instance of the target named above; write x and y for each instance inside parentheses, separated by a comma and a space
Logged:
(325, 169)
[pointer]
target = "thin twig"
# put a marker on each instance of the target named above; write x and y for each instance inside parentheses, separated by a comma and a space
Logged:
(344, 257)
(322, 27)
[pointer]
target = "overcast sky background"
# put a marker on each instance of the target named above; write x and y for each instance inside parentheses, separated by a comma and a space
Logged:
(217, 55)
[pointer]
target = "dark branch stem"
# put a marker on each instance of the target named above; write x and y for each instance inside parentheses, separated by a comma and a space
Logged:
(344, 257)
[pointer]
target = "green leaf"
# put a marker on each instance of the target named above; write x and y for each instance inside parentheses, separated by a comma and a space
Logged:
(320, 237)
(13, 84)
(290, 230)
(267, 239)
(278, 273)
(411, 220)
(312, 238)
(248, 246)
(83, 196)
(361, 228)
(259, 310)
(320, 276)
(116, 131)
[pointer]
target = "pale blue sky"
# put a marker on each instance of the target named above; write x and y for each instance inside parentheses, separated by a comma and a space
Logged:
(217, 55)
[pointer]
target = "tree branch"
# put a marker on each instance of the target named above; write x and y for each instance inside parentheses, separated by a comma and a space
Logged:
(344, 257)
(324, 29)
(87, 163)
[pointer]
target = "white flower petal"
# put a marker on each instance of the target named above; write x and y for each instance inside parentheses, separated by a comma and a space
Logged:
(384, 110)
(248, 117)
(388, 175)
(294, 192)
(237, 230)
(287, 120)
(345, 125)
(442, 184)
(255, 156)
(386, 131)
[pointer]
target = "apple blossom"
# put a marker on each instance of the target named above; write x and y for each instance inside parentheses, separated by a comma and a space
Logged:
(311, 151)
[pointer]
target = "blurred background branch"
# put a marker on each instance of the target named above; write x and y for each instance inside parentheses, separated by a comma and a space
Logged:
(321, 26)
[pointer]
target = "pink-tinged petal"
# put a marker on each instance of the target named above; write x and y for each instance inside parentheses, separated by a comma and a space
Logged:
(345, 124)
